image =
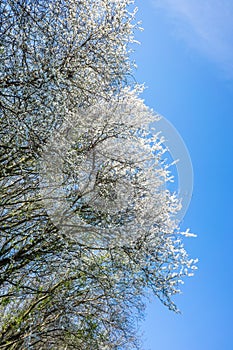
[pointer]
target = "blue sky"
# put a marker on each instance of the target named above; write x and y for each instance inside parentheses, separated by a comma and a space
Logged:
(186, 61)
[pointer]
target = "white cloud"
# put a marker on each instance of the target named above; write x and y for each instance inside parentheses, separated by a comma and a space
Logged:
(206, 25)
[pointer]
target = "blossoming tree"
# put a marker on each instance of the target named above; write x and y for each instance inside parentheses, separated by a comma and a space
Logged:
(88, 227)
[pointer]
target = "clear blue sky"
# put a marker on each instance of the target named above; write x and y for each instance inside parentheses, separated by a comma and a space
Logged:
(186, 61)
